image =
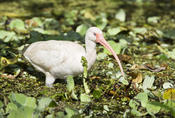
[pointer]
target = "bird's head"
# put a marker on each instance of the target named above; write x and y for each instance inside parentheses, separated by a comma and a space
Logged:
(96, 35)
(93, 34)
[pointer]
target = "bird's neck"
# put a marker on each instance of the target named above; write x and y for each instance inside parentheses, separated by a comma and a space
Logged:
(90, 52)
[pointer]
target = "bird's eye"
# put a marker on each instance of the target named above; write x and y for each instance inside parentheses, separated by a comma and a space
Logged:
(94, 34)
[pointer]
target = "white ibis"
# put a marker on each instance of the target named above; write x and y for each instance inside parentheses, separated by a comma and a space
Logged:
(58, 59)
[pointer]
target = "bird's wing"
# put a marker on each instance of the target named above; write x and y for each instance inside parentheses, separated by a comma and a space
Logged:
(48, 54)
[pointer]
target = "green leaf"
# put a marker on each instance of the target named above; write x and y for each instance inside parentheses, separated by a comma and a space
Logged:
(17, 25)
(10, 107)
(105, 107)
(133, 104)
(153, 19)
(97, 94)
(137, 113)
(148, 82)
(7, 36)
(114, 31)
(123, 81)
(123, 43)
(143, 98)
(73, 95)
(82, 29)
(121, 15)
(85, 98)
(50, 116)
(70, 83)
(116, 47)
(169, 33)
(20, 99)
(171, 54)
(1, 104)
(69, 113)
(43, 103)
(23, 112)
(170, 106)
(38, 21)
(101, 21)
(140, 30)
(167, 85)
(51, 24)
(151, 108)
(101, 56)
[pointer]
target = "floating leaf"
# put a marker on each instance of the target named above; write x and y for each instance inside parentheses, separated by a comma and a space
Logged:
(23, 100)
(34, 22)
(10, 107)
(97, 94)
(137, 113)
(110, 65)
(167, 85)
(85, 98)
(148, 82)
(170, 106)
(25, 112)
(21, 106)
(152, 109)
(169, 94)
(82, 29)
(153, 19)
(71, 16)
(17, 25)
(133, 104)
(7, 36)
(70, 112)
(1, 104)
(171, 54)
(88, 14)
(115, 46)
(101, 21)
(140, 30)
(43, 103)
(143, 98)
(101, 56)
(123, 81)
(114, 31)
(106, 108)
(50, 116)
(51, 24)
(169, 33)
(121, 15)
(123, 43)
(74, 96)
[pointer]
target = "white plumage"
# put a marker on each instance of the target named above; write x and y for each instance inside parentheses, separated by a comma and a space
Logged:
(58, 59)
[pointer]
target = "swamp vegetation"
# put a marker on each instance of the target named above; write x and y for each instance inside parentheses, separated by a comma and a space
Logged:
(142, 33)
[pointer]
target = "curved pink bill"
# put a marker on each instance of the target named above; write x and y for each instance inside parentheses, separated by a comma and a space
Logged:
(100, 39)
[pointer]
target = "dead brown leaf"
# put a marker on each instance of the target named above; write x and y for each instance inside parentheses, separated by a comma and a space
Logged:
(136, 66)
(138, 79)
(125, 58)
(148, 67)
